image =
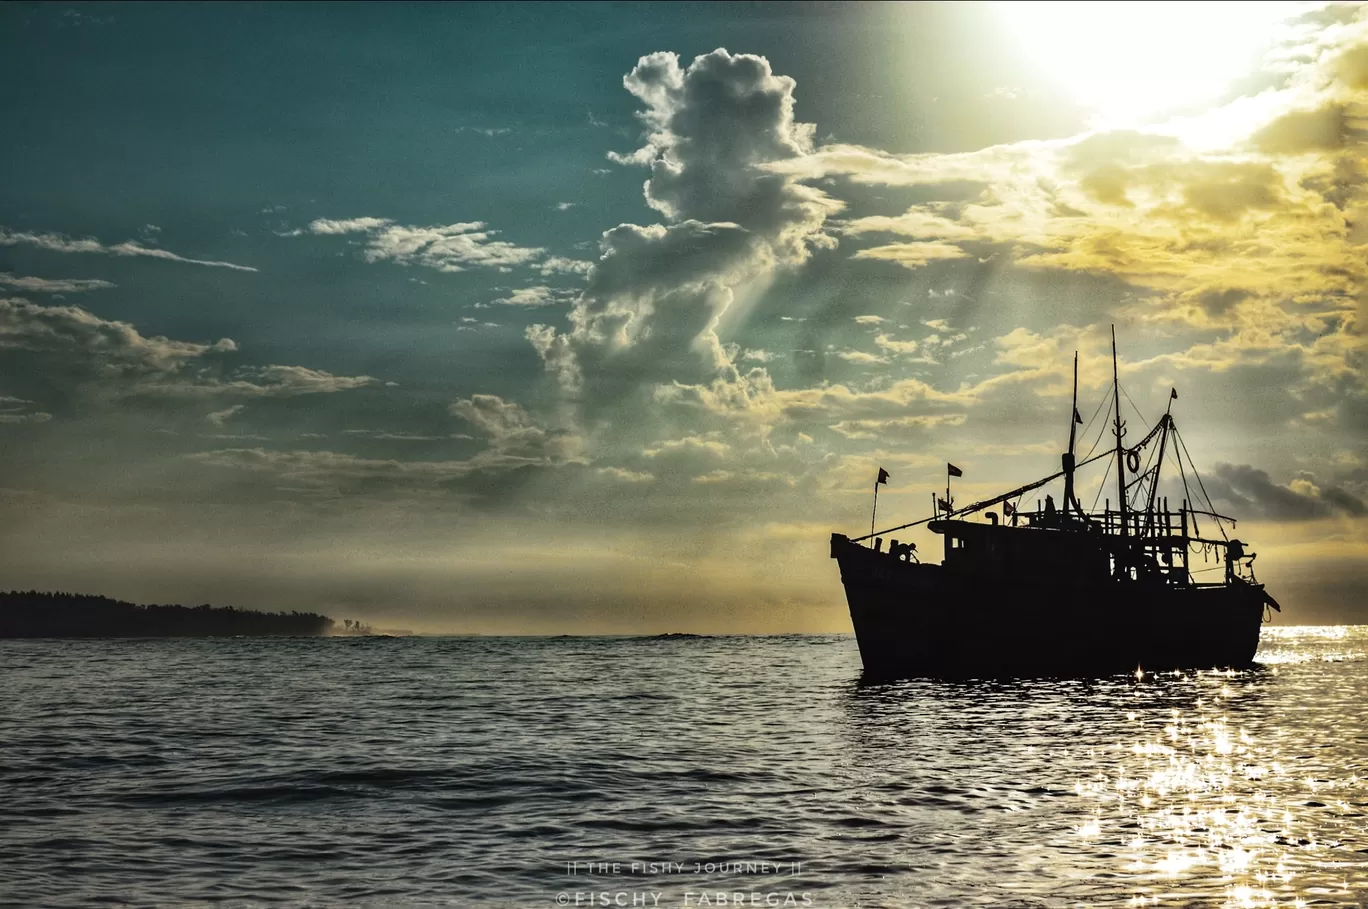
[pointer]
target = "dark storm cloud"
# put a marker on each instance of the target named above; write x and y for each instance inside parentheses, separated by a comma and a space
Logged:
(1251, 488)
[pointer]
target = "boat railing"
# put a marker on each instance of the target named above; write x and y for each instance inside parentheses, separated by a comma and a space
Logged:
(1160, 522)
(1164, 537)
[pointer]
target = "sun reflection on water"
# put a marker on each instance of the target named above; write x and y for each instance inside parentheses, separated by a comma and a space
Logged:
(1193, 798)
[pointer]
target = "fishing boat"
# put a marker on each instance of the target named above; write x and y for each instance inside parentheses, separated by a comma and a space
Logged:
(1062, 590)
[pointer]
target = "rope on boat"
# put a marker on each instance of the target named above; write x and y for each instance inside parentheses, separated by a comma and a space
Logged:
(1107, 400)
(1101, 486)
(986, 503)
(1200, 485)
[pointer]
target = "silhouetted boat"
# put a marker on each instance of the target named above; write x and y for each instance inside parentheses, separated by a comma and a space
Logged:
(1059, 591)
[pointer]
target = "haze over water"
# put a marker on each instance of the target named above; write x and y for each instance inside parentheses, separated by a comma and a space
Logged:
(470, 771)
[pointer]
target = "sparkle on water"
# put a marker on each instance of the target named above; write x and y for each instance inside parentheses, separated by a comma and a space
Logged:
(466, 771)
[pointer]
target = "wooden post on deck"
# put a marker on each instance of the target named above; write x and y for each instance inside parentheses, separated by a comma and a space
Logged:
(1182, 515)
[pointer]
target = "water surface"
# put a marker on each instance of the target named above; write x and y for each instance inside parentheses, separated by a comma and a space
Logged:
(490, 771)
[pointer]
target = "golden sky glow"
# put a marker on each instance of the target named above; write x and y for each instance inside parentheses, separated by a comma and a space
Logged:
(1130, 62)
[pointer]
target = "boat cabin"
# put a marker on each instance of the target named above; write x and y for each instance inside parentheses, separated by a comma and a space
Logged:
(1019, 553)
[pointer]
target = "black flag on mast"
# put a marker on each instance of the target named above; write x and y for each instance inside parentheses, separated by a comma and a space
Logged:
(1173, 394)
(882, 478)
(953, 471)
(1078, 417)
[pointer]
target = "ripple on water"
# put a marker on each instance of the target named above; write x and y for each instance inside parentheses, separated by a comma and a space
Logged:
(470, 771)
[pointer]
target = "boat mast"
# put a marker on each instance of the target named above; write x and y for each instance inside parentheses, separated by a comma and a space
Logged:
(1070, 501)
(1166, 423)
(1120, 452)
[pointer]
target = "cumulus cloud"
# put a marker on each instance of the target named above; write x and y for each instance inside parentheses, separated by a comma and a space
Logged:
(64, 244)
(114, 359)
(650, 312)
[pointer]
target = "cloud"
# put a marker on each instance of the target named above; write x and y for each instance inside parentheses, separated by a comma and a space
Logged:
(622, 475)
(892, 345)
(219, 416)
(51, 285)
(861, 358)
(561, 265)
(454, 247)
(689, 456)
(650, 312)
(514, 437)
(64, 244)
(385, 435)
(347, 226)
(331, 474)
(913, 255)
(18, 410)
(1252, 489)
(486, 131)
(1242, 222)
(917, 222)
(448, 248)
(896, 428)
(540, 295)
(515, 444)
(1329, 127)
(284, 381)
(114, 359)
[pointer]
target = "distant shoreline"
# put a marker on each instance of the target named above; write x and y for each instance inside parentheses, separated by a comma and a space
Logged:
(34, 614)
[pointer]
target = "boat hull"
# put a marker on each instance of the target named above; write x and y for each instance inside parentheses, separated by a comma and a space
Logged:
(922, 620)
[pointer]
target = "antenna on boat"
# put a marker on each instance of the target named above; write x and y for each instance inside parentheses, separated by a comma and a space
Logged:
(1120, 451)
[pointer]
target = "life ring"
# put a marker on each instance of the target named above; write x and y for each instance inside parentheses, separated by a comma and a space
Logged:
(1133, 460)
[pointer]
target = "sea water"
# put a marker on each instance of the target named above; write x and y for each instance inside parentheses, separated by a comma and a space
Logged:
(752, 771)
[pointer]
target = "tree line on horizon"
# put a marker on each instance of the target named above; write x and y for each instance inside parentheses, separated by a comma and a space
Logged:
(35, 614)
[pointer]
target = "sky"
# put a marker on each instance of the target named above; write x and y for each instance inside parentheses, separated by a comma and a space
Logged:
(600, 318)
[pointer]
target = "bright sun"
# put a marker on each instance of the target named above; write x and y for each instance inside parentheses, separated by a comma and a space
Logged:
(1130, 63)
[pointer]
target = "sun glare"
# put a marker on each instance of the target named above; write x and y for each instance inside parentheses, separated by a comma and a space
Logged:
(1133, 63)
